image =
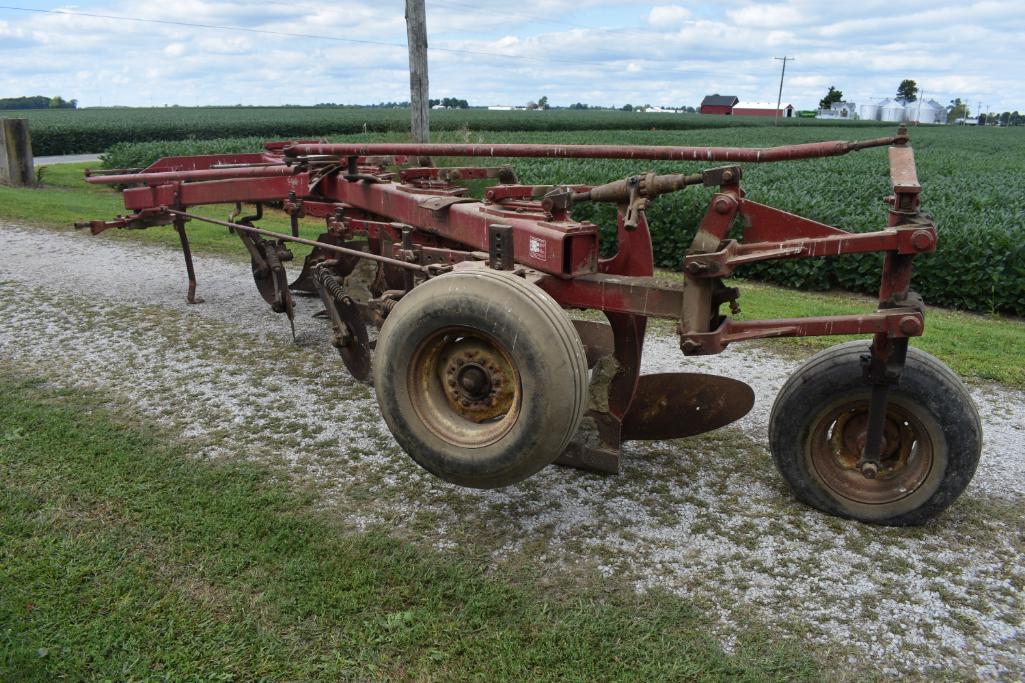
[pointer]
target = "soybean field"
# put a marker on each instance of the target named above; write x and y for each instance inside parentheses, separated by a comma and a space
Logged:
(973, 180)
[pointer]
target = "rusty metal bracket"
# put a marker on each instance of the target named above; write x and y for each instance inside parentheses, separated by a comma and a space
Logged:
(500, 247)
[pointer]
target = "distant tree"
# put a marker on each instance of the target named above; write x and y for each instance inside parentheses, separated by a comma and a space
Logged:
(907, 91)
(543, 102)
(956, 110)
(37, 102)
(578, 105)
(1016, 119)
(628, 107)
(1005, 118)
(832, 96)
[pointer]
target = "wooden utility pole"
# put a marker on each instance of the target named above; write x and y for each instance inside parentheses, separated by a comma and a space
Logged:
(779, 98)
(16, 165)
(419, 99)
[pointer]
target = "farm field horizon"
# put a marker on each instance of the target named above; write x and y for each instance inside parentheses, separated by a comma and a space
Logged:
(92, 130)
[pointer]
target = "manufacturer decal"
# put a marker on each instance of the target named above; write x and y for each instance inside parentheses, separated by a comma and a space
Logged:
(538, 248)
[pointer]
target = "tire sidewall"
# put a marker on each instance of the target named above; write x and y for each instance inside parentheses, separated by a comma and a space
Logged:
(549, 408)
(927, 389)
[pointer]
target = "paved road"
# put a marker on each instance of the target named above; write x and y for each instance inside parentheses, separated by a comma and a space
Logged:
(66, 159)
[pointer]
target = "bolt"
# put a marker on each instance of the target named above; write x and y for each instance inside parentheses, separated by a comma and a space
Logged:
(452, 382)
(910, 325)
(722, 205)
(922, 240)
(465, 403)
(869, 470)
(727, 176)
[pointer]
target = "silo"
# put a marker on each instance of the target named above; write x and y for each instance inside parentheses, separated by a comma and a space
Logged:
(933, 112)
(869, 112)
(892, 111)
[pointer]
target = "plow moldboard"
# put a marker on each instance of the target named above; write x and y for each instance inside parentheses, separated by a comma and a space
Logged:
(673, 405)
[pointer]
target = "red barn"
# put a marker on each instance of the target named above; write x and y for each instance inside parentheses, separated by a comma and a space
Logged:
(718, 104)
(785, 111)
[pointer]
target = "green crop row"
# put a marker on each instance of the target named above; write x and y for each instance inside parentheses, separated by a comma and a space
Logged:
(93, 130)
(973, 180)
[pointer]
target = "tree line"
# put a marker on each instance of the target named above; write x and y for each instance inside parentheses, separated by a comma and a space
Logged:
(37, 102)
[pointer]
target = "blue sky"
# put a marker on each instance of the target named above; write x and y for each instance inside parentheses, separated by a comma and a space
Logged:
(599, 52)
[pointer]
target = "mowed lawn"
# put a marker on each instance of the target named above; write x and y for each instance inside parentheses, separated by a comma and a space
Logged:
(122, 558)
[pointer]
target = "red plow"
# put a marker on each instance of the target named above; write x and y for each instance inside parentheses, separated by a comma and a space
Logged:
(484, 378)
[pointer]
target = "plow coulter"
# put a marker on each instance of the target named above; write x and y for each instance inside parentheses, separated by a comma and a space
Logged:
(483, 377)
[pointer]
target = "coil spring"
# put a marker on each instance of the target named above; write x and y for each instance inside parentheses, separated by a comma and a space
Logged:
(329, 283)
(271, 256)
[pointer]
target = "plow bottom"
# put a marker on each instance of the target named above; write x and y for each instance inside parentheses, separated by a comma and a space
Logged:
(673, 405)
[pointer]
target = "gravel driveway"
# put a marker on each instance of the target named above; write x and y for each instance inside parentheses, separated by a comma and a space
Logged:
(706, 517)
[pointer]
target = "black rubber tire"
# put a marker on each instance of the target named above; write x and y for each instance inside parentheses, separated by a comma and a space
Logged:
(928, 389)
(539, 341)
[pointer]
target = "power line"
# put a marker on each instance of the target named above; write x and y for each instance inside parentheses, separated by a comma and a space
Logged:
(314, 36)
(289, 34)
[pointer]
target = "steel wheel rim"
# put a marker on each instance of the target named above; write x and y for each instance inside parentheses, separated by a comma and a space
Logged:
(834, 447)
(464, 387)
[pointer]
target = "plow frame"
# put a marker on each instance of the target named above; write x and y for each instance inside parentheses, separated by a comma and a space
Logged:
(418, 223)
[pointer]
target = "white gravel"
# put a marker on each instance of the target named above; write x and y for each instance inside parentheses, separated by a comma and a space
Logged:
(705, 517)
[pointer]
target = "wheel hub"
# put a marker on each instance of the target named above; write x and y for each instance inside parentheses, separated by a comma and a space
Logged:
(475, 377)
(474, 382)
(465, 387)
(838, 439)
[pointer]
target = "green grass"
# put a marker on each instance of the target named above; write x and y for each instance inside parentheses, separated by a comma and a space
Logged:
(122, 559)
(64, 199)
(977, 347)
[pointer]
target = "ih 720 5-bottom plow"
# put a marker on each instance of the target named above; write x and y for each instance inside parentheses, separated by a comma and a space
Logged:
(484, 379)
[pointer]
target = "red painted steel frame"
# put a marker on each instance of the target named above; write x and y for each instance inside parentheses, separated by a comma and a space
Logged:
(562, 253)
(660, 153)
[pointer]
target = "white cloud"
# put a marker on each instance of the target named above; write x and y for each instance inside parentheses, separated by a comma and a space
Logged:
(668, 15)
(766, 16)
(595, 51)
